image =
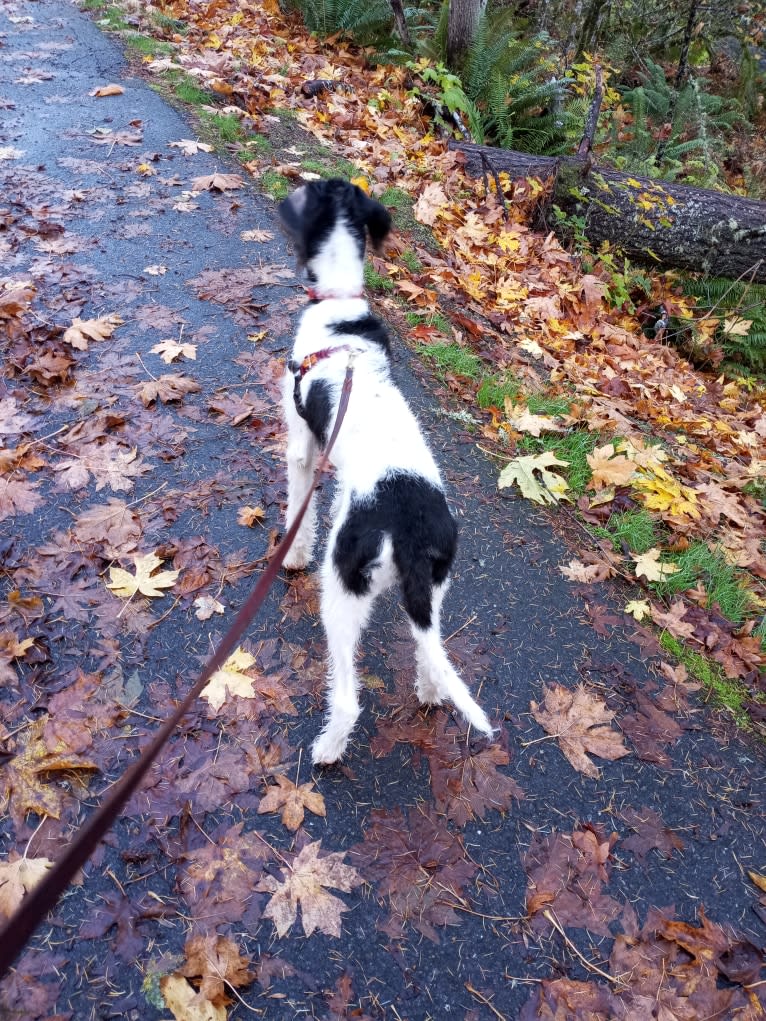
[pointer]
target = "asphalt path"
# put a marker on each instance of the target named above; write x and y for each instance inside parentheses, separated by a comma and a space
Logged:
(515, 625)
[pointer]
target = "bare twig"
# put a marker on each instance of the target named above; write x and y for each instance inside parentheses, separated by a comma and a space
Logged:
(583, 960)
(591, 122)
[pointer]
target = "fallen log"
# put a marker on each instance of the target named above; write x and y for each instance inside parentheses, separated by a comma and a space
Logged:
(652, 222)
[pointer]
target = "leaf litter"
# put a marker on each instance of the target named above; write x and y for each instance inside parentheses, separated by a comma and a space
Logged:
(424, 865)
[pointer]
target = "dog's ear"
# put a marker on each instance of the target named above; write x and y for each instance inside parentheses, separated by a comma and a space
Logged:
(291, 212)
(376, 217)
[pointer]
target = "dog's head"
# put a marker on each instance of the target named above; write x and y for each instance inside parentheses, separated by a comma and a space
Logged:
(313, 212)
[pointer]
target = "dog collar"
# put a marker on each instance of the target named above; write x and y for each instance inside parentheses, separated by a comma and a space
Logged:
(299, 369)
(315, 296)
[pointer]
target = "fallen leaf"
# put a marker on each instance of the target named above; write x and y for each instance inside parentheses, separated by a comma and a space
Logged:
(189, 146)
(580, 722)
(126, 585)
(256, 235)
(307, 882)
(575, 570)
(292, 800)
(609, 468)
(648, 565)
(167, 388)
(248, 516)
(217, 182)
(206, 606)
(231, 679)
(84, 330)
(107, 90)
(217, 962)
(638, 608)
(185, 1004)
(548, 490)
(170, 350)
(18, 876)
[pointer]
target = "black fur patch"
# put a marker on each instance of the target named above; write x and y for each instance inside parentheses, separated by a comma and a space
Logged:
(317, 409)
(310, 222)
(366, 327)
(414, 513)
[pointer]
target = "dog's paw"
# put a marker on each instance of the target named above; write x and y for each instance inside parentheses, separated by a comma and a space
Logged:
(327, 749)
(297, 559)
(428, 694)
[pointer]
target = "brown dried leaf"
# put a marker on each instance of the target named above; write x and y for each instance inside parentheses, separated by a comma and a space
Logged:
(307, 883)
(292, 800)
(215, 960)
(580, 722)
(168, 388)
(18, 876)
(184, 1002)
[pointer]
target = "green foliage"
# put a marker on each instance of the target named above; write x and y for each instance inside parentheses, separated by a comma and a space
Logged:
(225, 127)
(635, 529)
(411, 261)
(436, 319)
(739, 303)
(375, 281)
(275, 184)
(723, 583)
(544, 404)
(730, 694)
(452, 359)
(365, 21)
(494, 391)
(692, 147)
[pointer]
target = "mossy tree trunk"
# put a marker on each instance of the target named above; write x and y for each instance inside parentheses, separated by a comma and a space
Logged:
(652, 222)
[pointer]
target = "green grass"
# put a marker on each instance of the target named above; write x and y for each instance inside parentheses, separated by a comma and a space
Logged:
(275, 184)
(728, 693)
(452, 359)
(166, 24)
(112, 19)
(542, 404)
(436, 319)
(375, 281)
(145, 45)
(185, 89)
(256, 146)
(399, 204)
(635, 529)
(494, 390)
(411, 261)
(330, 167)
(722, 581)
(226, 127)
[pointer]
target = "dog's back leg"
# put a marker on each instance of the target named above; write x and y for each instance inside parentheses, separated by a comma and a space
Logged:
(344, 615)
(437, 678)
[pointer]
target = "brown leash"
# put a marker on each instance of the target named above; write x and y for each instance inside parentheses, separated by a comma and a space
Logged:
(36, 905)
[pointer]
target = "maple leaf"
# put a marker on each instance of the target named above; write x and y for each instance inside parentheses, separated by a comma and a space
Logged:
(648, 565)
(18, 876)
(638, 608)
(292, 800)
(307, 883)
(126, 585)
(576, 570)
(580, 722)
(429, 202)
(220, 877)
(248, 516)
(18, 497)
(15, 298)
(185, 1004)
(190, 147)
(167, 388)
(549, 490)
(217, 182)
(608, 468)
(12, 423)
(524, 421)
(661, 492)
(206, 606)
(673, 619)
(231, 679)
(22, 784)
(566, 874)
(217, 961)
(649, 833)
(109, 463)
(113, 525)
(735, 327)
(170, 350)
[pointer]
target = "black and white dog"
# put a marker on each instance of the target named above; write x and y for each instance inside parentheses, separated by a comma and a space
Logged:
(391, 523)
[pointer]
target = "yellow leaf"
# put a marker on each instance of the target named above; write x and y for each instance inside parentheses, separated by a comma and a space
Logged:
(184, 1002)
(759, 880)
(638, 608)
(83, 330)
(231, 679)
(17, 878)
(736, 327)
(107, 90)
(550, 488)
(126, 585)
(648, 564)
